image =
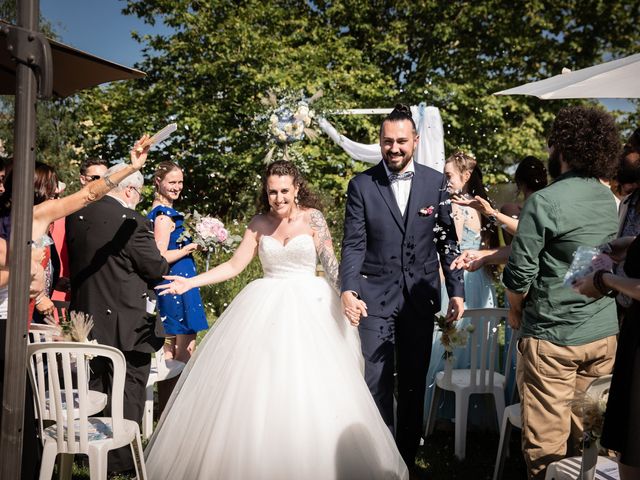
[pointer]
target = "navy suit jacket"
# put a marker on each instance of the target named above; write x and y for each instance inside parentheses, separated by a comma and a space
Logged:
(382, 251)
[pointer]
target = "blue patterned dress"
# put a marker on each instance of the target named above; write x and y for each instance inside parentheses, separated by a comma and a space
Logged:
(180, 314)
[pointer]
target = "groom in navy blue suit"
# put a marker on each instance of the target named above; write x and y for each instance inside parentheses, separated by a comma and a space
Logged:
(397, 231)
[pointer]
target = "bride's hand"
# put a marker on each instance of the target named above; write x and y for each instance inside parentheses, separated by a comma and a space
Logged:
(178, 285)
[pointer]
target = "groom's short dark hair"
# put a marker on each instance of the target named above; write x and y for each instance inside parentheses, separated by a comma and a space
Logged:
(400, 112)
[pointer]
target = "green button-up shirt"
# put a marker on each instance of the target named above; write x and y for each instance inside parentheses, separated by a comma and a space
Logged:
(554, 222)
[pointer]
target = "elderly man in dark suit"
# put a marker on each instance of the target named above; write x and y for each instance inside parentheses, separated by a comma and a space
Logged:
(114, 264)
(397, 231)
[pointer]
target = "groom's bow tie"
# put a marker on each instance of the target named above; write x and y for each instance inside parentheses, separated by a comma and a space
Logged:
(400, 176)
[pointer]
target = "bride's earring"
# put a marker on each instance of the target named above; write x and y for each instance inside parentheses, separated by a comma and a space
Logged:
(296, 201)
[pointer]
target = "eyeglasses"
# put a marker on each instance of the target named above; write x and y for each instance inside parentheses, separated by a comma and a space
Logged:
(136, 189)
(93, 177)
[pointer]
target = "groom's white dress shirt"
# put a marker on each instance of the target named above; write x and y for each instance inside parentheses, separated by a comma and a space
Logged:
(401, 188)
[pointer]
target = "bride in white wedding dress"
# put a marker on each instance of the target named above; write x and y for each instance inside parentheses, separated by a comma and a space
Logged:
(275, 390)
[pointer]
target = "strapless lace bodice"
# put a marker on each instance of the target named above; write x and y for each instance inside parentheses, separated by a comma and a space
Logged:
(297, 257)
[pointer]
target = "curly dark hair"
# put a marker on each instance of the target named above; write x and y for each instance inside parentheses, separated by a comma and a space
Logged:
(282, 168)
(531, 173)
(588, 141)
(399, 113)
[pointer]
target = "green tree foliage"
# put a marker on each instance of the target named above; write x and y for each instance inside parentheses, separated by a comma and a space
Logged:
(456, 54)
(210, 75)
(222, 56)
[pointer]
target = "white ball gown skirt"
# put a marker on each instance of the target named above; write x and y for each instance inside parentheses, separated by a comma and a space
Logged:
(275, 390)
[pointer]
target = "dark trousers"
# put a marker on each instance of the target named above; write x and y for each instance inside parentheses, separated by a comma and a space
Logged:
(399, 344)
(138, 368)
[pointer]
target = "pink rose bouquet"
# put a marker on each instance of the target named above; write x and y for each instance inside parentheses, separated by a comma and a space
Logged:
(208, 233)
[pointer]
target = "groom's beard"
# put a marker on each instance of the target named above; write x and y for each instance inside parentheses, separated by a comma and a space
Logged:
(397, 167)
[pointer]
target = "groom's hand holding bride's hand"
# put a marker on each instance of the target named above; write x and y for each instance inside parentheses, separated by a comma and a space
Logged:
(354, 308)
(178, 285)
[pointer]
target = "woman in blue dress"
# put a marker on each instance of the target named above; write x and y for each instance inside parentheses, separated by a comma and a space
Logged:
(183, 315)
(475, 232)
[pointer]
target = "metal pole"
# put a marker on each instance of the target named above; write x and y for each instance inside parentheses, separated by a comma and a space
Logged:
(20, 253)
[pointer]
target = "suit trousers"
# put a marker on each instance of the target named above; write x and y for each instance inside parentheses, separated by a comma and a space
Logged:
(549, 376)
(399, 347)
(135, 384)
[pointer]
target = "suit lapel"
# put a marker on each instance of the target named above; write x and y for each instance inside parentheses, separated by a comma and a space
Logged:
(418, 187)
(382, 182)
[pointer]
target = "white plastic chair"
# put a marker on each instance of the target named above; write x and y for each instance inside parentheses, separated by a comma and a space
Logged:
(161, 369)
(479, 378)
(589, 466)
(512, 417)
(74, 432)
(39, 333)
(42, 332)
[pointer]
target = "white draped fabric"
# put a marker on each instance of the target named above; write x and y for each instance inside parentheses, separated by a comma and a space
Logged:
(430, 150)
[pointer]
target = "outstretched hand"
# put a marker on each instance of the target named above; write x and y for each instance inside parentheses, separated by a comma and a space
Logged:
(477, 202)
(470, 260)
(177, 286)
(139, 152)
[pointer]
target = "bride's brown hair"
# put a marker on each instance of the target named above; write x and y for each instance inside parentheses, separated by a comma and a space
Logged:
(283, 168)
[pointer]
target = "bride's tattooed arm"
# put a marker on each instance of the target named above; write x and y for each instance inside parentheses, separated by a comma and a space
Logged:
(324, 247)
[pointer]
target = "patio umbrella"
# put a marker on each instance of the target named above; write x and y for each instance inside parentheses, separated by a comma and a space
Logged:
(32, 65)
(73, 69)
(614, 79)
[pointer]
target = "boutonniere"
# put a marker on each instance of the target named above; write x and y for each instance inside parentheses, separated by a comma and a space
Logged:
(426, 211)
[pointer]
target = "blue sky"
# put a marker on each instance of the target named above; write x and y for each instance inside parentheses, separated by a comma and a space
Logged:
(99, 27)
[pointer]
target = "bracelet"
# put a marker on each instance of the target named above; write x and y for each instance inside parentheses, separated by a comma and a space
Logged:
(39, 298)
(598, 283)
(168, 340)
(493, 217)
(109, 182)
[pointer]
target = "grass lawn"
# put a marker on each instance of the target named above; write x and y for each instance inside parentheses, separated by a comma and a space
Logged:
(437, 461)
